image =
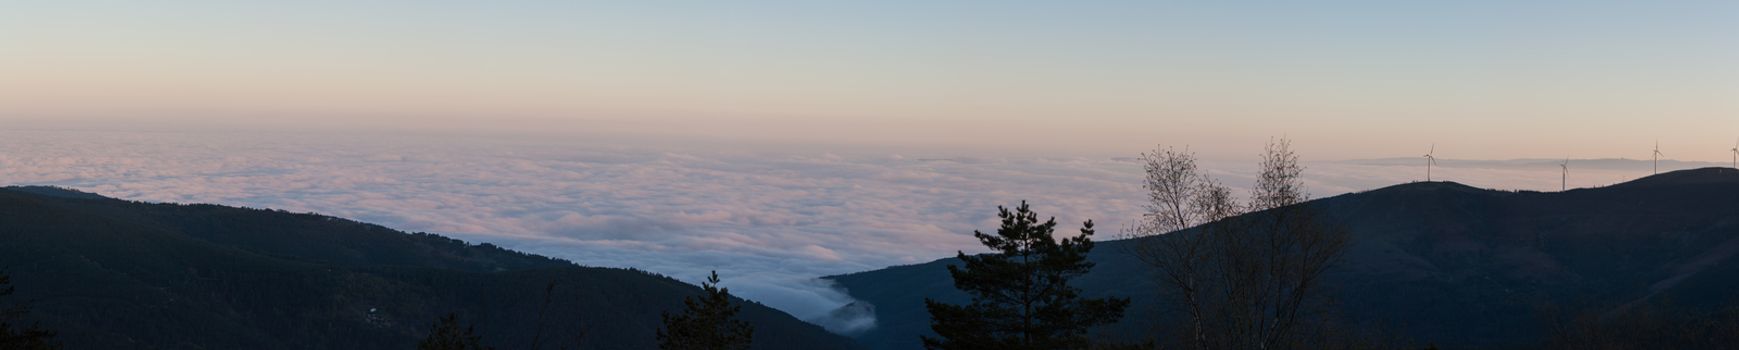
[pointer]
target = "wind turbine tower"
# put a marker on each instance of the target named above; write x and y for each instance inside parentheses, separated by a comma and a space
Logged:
(1657, 157)
(1430, 160)
(1565, 178)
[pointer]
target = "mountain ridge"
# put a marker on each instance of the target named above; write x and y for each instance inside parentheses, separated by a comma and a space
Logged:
(209, 276)
(1446, 262)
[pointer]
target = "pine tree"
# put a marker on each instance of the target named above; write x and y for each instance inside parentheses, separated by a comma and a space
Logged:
(708, 323)
(14, 338)
(446, 335)
(1021, 298)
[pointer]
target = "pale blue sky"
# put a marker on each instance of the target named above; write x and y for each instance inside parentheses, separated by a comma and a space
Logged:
(1348, 79)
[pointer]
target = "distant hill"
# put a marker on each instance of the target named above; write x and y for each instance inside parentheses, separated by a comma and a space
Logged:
(1644, 164)
(112, 274)
(1446, 263)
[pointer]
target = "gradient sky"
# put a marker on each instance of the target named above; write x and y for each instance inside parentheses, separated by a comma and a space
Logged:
(1347, 79)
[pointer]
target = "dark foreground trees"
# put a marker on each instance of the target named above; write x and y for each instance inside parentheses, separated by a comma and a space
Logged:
(14, 336)
(1241, 282)
(1021, 297)
(707, 323)
(1642, 325)
(446, 334)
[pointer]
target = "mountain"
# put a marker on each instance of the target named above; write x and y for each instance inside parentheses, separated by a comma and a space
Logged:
(1644, 164)
(1445, 263)
(112, 274)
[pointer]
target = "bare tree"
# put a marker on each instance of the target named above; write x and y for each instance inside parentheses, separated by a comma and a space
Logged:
(1242, 281)
(1180, 196)
(1281, 183)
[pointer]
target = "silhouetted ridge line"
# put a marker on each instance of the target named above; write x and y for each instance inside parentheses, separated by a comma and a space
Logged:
(1449, 263)
(117, 274)
(1430, 186)
(57, 192)
(1712, 175)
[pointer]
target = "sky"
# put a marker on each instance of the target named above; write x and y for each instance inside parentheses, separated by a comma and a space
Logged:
(1358, 79)
(780, 141)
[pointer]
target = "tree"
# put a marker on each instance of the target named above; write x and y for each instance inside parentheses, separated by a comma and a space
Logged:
(1181, 196)
(1021, 297)
(1643, 324)
(708, 323)
(12, 337)
(1243, 282)
(1275, 260)
(446, 335)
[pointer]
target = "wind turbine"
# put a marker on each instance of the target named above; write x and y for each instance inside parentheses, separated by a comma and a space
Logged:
(1736, 154)
(1565, 184)
(1430, 159)
(1657, 157)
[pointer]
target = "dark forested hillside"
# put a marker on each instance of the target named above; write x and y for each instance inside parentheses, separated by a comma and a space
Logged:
(111, 274)
(1445, 263)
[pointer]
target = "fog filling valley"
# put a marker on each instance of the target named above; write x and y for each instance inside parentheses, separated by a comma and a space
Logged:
(769, 221)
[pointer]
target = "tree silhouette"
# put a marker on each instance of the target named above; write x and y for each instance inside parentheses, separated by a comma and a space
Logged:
(446, 335)
(1243, 282)
(12, 337)
(1180, 196)
(707, 323)
(1021, 297)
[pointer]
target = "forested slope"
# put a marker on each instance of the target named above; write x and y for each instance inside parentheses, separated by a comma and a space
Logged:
(111, 274)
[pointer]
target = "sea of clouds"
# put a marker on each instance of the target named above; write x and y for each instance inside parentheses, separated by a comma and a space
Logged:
(768, 219)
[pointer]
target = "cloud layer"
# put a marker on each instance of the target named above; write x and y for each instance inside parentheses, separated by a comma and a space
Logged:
(768, 221)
